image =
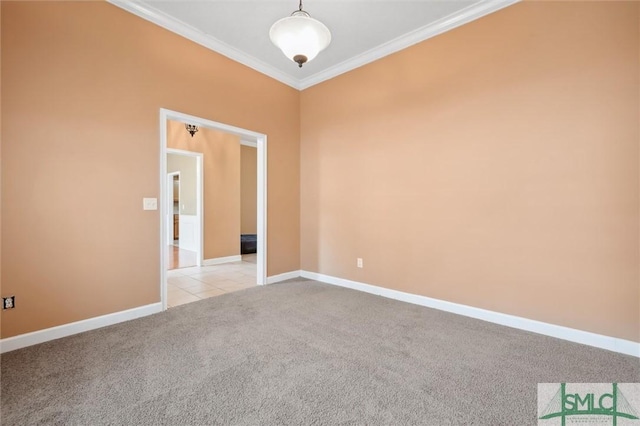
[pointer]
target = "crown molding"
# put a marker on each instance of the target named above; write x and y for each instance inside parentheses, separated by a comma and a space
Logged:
(187, 31)
(464, 16)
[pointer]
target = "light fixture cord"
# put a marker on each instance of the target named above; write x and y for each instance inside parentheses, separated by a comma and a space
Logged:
(300, 6)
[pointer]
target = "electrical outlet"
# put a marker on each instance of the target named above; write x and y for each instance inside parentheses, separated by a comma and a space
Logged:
(9, 302)
(360, 263)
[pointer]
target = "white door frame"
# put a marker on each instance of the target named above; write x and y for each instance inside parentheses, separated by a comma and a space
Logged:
(261, 140)
(169, 216)
(199, 197)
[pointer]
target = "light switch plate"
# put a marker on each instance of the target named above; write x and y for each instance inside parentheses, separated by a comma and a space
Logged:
(150, 204)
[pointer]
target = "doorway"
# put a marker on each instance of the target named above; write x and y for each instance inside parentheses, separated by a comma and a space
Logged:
(260, 141)
(183, 218)
(173, 214)
(178, 257)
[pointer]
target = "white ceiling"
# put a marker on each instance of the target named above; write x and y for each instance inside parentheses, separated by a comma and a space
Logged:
(362, 30)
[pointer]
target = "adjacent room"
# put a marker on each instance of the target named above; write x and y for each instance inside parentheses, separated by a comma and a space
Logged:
(211, 218)
(270, 212)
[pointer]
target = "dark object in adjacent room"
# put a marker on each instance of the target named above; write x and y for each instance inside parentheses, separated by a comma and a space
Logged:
(248, 243)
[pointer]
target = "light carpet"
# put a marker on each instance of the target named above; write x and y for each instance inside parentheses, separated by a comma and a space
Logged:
(298, 352)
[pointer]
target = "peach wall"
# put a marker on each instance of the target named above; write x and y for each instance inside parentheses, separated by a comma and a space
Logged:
(82, 85)
(248, 189)
(494, 166)
(221, 185)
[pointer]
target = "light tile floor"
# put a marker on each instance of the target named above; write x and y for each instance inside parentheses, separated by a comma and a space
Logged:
(188, 285)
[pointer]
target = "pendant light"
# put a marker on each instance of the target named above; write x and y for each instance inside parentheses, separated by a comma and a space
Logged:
(299, 36)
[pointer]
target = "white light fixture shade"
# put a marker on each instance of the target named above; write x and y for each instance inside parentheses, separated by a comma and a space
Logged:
(300, 37)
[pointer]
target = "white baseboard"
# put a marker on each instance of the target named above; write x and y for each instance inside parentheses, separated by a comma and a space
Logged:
(282, 277)
(41, 336)
(565, 333)
(221, 260)
(614, 344)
